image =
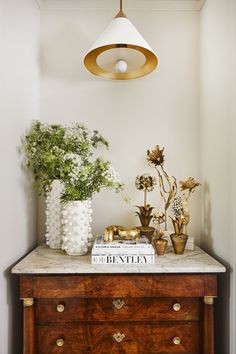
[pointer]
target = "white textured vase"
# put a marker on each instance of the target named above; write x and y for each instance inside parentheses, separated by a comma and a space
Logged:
(76, 220)
(53, 216)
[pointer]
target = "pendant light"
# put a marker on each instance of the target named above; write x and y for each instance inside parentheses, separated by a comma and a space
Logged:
(120, 53)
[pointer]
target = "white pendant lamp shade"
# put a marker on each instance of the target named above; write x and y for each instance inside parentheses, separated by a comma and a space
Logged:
(120, 53)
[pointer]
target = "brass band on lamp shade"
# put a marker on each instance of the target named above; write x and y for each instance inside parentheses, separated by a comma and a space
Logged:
(90, 61)
(120, 42)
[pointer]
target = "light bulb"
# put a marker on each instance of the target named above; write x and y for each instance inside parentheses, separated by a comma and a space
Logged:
(121, 66)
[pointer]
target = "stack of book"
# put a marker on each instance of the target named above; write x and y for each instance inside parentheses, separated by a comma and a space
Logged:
(139, 251)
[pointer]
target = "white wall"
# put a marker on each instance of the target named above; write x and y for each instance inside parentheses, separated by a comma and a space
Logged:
(219, 155)
(162, 108)
(19, 103)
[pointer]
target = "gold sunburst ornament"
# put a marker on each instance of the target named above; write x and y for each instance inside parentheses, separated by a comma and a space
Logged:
(120, 53)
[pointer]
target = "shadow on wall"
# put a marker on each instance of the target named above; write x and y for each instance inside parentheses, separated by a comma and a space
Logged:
(15, 330)
(41, 219)
(61, 56)
(222, 318)
(14, 305)
(207, 222)
(222, 302)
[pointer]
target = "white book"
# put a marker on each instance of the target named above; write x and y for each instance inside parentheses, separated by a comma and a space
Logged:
(123, 259)
(137, 246)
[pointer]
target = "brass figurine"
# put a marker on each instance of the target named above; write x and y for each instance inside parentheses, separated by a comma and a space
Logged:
(123, 233)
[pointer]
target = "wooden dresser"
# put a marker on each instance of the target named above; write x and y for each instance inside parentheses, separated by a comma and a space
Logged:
(73, 307)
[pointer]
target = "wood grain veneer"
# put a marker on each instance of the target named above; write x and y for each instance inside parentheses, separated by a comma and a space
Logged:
(90, 319)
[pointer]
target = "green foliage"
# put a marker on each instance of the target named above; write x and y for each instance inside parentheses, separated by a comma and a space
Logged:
(66, 153)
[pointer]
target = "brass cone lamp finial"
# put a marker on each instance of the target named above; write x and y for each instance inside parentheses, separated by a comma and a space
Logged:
(120, 53)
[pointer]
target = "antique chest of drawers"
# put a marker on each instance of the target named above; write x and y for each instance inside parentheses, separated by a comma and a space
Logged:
(73, 307)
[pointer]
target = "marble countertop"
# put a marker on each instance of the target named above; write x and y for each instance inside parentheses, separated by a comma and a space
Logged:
(44, 260)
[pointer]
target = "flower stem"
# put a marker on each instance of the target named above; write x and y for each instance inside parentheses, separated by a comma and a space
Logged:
(145, 197)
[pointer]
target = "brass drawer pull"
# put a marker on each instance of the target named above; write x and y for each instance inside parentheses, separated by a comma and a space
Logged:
(118, 337)
(60, 342)
(60, 308)
(176, 340)
(176, 307)
(118, 303)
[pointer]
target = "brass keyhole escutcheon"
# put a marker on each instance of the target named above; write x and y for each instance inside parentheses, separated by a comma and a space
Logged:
(118, 303)
(118, 337)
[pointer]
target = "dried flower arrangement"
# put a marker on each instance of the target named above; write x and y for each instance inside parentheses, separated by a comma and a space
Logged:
(173, 197)
(167, 184)
(168, 191)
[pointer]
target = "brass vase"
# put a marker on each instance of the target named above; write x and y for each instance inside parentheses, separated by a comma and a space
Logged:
(160, 245)
(179, 242)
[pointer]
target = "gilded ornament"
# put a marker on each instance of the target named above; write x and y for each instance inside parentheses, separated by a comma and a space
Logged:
(120, 232)
(167, 184)
(189, 184)
(156, 156)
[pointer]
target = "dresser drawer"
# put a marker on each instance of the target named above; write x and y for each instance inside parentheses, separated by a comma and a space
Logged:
(103, 286)
(121, 309)
(119, 338)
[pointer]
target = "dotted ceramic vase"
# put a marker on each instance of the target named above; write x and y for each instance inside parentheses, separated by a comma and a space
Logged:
(76, 220)
(53, 216)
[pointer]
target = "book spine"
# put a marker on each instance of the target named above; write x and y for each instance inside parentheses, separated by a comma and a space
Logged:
(123, 259)
(127, 251)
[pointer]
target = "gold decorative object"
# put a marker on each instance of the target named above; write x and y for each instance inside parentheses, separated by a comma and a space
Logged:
(190, 184)
(179, 220)
(160, 245)
(60, 342)
(145, 183)
(156, 156)
(28, 301)
(176, 307)
(209, 300)
(147, 231)
(176, 340)
(118, 337)
(167, 184)
(60, 308)
(159, 218)
(122, 233)
(145, 214)
(181, 216)
(168, 189)
(179, 242)
(118, 303)
(160, 242)
(120, 52)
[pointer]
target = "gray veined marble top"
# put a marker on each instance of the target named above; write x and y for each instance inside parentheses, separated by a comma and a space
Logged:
(44, 260)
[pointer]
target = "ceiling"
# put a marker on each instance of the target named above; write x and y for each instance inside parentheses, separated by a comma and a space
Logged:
(171, 5)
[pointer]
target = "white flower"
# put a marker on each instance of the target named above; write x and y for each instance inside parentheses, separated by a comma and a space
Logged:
(112, 176)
